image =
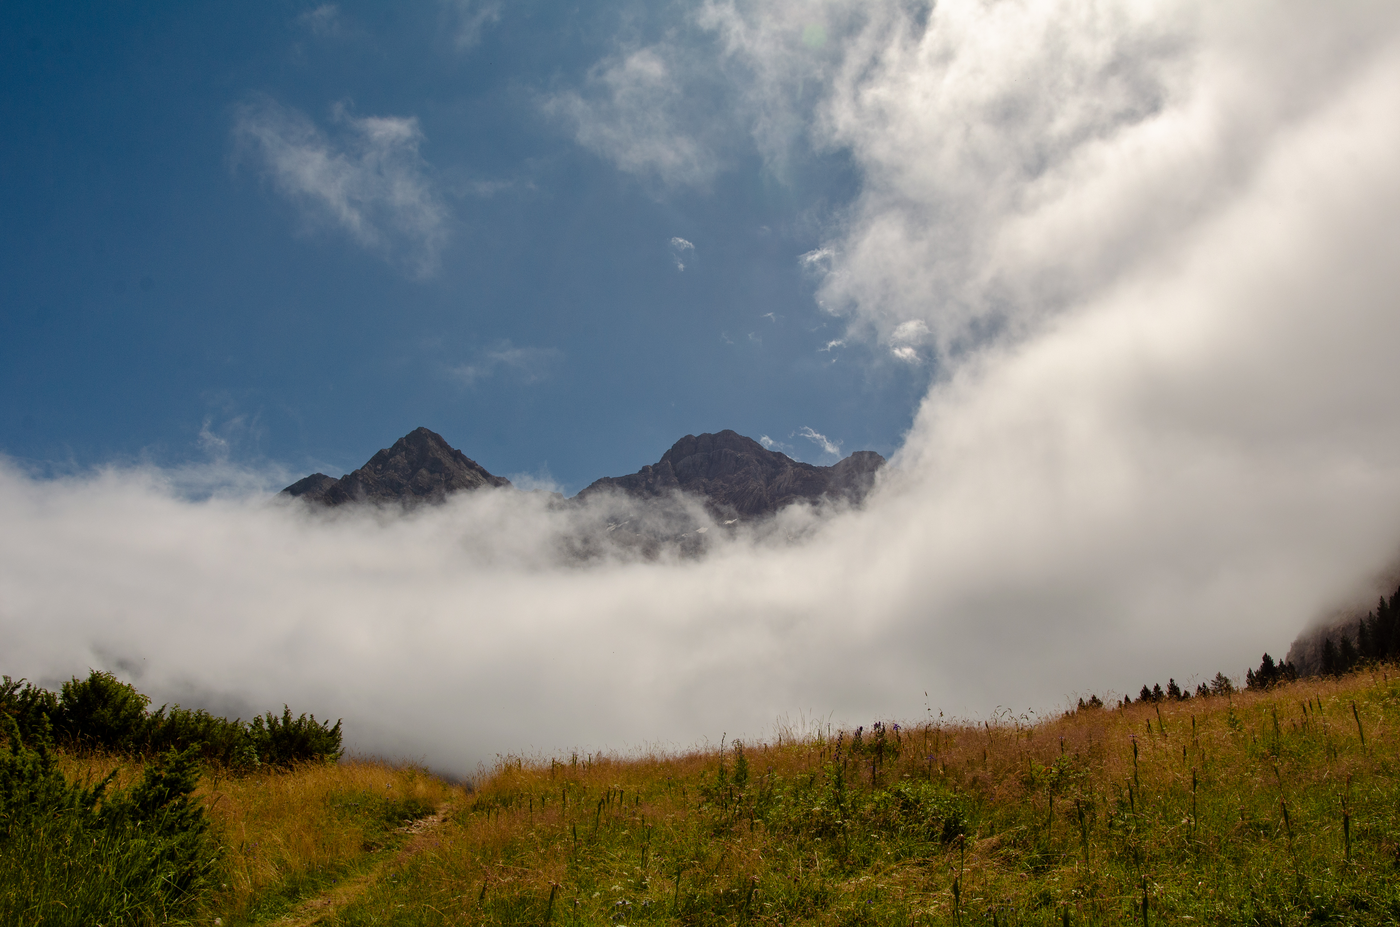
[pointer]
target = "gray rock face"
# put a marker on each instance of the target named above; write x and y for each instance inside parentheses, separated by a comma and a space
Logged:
(420, 467)
(740, 478)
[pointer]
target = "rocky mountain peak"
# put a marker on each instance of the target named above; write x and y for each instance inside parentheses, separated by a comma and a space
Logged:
(420, 467)
(739, 477)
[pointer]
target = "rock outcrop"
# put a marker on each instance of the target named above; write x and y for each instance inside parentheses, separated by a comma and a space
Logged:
(740, 478)
(420, 467)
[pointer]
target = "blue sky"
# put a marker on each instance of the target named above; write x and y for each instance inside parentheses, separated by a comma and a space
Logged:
(161, 282)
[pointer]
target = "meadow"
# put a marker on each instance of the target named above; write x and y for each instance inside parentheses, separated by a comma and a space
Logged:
(1276, 806)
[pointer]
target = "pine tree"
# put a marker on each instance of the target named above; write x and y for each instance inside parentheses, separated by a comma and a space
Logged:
(1330, 662)
(1347, 655)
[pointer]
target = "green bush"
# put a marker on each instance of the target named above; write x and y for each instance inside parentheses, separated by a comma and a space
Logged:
(78, 855)
(103, 713)
(30, 706)
(287, 740)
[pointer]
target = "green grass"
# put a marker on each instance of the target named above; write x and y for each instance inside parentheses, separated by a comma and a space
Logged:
(1261, 808)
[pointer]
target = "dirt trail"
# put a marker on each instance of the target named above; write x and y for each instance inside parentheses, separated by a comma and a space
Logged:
(323, 906)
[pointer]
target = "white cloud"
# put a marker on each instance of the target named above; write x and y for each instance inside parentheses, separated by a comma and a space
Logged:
(527, 364)
(636, 112)
(368, 180)
(679, 246)
(323, 21)
(818, 259)
(773, 445)
(828, 446)
(906, 337)
(470, 19)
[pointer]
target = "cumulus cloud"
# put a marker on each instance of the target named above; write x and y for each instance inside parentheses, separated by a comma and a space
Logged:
(1153, 248)
(366, 180)
(527, 364)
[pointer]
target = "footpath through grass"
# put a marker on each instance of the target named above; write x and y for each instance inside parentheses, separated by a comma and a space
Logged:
(1278, 807)
(279, 838)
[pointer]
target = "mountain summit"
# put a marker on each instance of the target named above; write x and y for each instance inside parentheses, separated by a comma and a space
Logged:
(420, 467)
(742, 478)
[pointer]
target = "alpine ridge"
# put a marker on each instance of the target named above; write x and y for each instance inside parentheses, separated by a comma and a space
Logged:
(737, 477)
(740, 478)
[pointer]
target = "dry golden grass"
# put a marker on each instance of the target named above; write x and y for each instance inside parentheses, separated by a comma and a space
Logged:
(1222, 809)
(314, 819)
(283, 833)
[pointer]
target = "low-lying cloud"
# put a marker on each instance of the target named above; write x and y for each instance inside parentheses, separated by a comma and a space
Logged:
(1163, 438)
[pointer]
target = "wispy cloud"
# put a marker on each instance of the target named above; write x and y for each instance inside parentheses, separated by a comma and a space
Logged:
(323, 21)
(773, 445)
(366, 179)
(679, 247)
(828, 446)
(470, 19)
(524, 364)
(637, 112)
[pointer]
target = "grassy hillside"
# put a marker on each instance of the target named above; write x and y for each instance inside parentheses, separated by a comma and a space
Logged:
(1278, 807)
(1274, 807)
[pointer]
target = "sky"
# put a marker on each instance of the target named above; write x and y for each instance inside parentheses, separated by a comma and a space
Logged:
(1113, 285)
(293, 233)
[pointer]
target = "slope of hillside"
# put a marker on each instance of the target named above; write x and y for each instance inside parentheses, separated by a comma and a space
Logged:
(1278, 806)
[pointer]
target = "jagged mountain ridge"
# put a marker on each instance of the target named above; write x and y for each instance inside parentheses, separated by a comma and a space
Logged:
(735, 476)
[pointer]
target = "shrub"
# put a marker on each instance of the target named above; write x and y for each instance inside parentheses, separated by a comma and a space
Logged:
(103, 713)
(76, 855)
(30, 706)
(287, 740)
